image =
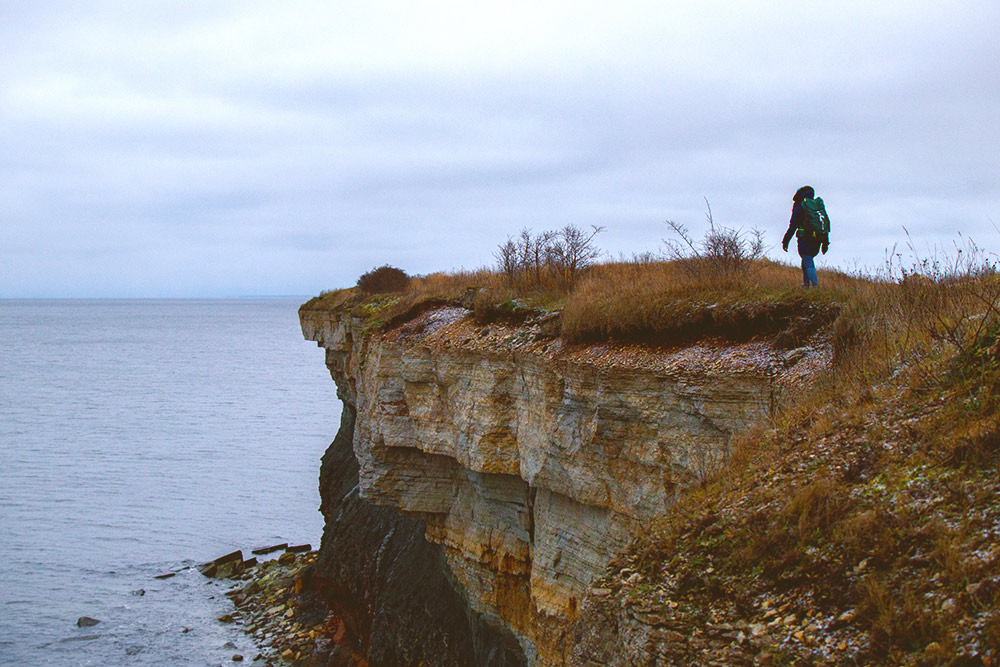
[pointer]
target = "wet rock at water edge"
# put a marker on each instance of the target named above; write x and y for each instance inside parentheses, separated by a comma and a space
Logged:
(86, 622)
(223, 566)
(300, 549)
(266, 550)
(165, 575)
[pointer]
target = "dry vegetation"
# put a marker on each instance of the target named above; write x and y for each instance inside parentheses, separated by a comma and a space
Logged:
(862, 526)
(643, 300)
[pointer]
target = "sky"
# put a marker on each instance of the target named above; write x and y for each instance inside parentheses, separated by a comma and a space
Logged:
(217, 148)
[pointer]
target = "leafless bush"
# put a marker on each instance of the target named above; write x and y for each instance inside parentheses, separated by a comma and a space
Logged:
(958, 294)
(530, 259)
(723, 254)
(571, 250)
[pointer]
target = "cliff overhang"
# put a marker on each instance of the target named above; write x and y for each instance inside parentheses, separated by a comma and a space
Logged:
(526, 462)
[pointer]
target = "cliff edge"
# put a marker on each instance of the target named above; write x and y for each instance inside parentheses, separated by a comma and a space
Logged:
(486, 474)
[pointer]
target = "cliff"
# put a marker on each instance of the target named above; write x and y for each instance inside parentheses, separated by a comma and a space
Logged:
(485, 475)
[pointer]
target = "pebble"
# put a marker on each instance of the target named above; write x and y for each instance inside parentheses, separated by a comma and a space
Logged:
(282, 625)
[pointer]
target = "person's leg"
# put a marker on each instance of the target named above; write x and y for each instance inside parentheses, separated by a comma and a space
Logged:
(809, 277)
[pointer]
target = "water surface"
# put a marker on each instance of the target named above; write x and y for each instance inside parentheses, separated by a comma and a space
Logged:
(138, 437)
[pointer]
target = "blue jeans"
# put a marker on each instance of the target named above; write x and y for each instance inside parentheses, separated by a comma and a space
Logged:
(809, 277)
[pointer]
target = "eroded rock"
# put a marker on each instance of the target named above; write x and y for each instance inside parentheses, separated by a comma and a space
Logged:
(528, 462)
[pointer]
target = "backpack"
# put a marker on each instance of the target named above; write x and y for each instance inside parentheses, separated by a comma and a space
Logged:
(817, 222)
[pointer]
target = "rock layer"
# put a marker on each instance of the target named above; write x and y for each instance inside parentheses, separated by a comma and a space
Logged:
(525, 464)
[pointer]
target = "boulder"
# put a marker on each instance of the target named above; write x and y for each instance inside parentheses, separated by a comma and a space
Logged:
(223, 566)
(266, 550)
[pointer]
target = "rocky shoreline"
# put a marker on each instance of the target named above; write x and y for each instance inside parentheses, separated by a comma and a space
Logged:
(277, 607)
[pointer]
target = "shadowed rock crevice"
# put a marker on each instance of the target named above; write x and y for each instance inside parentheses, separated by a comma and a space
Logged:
(390, 585)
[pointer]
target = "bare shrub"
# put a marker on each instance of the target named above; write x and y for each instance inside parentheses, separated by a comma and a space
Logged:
(383, 279)
(959, 293)
(570, 251)
(532, 260)
(723, 254)
(916, 304)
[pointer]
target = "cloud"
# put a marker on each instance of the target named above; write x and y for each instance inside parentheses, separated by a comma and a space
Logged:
(230, 148)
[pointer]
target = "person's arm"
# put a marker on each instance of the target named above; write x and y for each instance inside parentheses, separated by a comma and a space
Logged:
(792, 226)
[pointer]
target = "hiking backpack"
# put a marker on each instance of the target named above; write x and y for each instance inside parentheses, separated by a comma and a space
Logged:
(817, 223)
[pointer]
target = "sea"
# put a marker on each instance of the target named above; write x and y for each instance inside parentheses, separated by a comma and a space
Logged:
(139, 438)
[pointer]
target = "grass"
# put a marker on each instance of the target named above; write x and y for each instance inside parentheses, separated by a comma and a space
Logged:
(654, 302)
(660, 302)
(868, 506)
(865, 507)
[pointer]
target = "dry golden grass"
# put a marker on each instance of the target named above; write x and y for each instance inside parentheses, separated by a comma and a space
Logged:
(878, 321)
(870, 498)
(662, 303)
(847, 503)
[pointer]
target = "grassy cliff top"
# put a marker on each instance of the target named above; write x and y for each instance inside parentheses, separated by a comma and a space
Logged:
(860, 526)
(649, 302)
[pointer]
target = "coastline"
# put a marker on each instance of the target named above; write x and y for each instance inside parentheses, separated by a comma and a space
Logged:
(279, 610)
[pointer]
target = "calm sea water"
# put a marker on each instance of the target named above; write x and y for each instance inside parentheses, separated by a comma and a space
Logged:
(138, 437)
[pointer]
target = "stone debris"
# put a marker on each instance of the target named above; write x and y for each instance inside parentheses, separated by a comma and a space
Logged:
(223, 566)
(685, 614)
(287, 621)
(263, 551)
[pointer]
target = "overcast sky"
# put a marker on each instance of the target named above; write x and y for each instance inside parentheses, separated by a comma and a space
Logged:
(219, 148)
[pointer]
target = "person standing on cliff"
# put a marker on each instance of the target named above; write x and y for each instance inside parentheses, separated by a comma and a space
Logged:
(811, 227)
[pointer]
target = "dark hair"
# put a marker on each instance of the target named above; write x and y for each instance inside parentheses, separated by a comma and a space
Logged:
(805, 192)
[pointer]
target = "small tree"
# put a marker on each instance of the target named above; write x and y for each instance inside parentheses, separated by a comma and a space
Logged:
(724, 253)
(571, 251)
(563, 254)
(383, 279)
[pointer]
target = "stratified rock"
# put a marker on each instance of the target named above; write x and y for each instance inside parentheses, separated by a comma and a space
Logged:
(526, 469)
(389, 585)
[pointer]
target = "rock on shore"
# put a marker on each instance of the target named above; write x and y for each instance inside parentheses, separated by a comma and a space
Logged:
(289, 623)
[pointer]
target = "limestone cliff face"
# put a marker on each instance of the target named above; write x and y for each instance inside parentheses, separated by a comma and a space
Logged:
(530, 463)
